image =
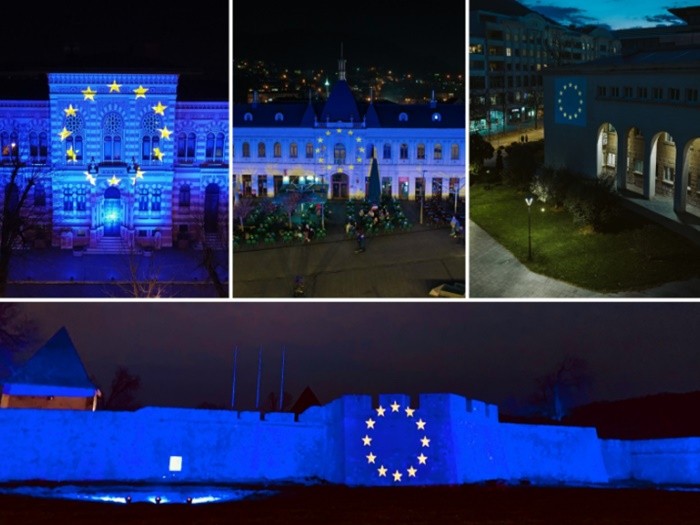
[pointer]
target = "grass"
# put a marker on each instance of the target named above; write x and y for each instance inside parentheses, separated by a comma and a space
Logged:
(636, 255)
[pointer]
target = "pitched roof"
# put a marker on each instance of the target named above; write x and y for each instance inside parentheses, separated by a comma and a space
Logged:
(55, 369)
(341, 105)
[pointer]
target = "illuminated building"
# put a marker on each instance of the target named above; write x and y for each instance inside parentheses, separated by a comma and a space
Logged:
(119, 163)
(509, 48)
(420, 148)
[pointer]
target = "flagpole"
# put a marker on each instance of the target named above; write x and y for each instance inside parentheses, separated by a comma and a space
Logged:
(282, 380)
(233, 387)
(257, 392)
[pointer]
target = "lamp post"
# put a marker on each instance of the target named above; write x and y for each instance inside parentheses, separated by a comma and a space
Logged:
(528, 200)
(422, 198)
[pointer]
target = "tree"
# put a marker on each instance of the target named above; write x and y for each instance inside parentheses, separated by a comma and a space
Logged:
(558, 391)
(122, 394)
(242, 209)
(290, 201)
(480, 150)
(17, 333)
(17, 220)
(522, 161)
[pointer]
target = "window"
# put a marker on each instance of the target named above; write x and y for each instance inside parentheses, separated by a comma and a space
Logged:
(80, 199)
(309, 150)
(246, 150)
(614, 91)
(262, 185)
(248, 117)
(277, 149)
(437, 152)
(261, 150)
(691, 95)
(67, 199)
(185, 196)
(150, 126)
(38, 147)
(279, 117)
(627, 91)
(143, 199)
(403, 117)
(403, 151)
(149, 143)
(420, 152)
(674, 94)
(39, 195)
(339, 154)
(657, 93)
(293, 150)
(74, 149)
(454, 152)
(669, 174)
(186, 145)
(155, 201)
(214, 151)
(387, 152)
(7, 146)
(112, 129)
(642, 92)
(638, 166)
(610, 160)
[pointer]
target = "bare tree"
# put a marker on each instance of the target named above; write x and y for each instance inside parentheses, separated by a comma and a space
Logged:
(558, 391)
(290, 202)
(17, 333)
(242, 209)
(16, 218)
(122, 394)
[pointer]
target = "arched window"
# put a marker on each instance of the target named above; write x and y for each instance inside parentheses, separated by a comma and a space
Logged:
(74, 124)
(151, 124)
(403, 152)
(185, 196)
(112, 129)
(309, 150)
(246, 150)
(293, 150)
(186, 147)
(219, 150)
(437, 152)
(143, 199)
(277, 149)
(5, 146)
(387, 151)
(370, 151)
(149, 143)
(261, 150)
(279, 117)
(454, 152)
(74, 148)
(420, 152)
(339, 154)
(248, 117)
(403, 117)
(156, 200)
(214, 151)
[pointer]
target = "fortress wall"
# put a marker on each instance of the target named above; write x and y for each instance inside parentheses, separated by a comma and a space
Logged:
(553, 453)
(137, 446)
(663, 461)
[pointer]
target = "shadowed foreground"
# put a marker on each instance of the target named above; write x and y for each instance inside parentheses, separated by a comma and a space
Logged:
(342, 505)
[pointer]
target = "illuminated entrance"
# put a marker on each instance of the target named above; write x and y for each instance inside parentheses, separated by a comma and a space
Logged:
(339, 186)
(112, 212)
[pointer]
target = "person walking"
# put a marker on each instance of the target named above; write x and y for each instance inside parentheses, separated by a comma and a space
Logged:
(360, 240)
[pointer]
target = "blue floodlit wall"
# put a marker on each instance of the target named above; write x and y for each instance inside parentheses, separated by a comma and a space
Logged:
(355, 440)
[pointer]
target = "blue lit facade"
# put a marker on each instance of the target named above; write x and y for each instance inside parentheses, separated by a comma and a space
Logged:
(420, 148)
(118, 161)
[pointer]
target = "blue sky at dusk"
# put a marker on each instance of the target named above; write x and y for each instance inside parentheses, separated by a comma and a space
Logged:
(618, 14)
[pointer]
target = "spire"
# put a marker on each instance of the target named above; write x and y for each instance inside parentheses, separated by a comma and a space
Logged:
(341, 64)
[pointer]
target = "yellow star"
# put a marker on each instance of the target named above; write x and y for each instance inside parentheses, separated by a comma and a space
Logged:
(361, 149)
(425, 442)
(420, 424)
(72, 155)
(114, 181)
(320, 140)
(339, 130)
(422, 459)
(370, 458)
(359, 139)
(350, 133)
(139, 174)
(64, 134)
(366, 441)
(395, 406)
(329, 167)
(89, 94)
(321, 159)
(340, 169)
(397, 476)
(359, 159)
(70, 111)
(370, 423)
(328, 133)
(412, 472)
(140, 91)
(380, 411)
(158, 154)
(410, 411)
(382, 471)
(159, 109)
(351, 167)
(114, 87)
(90, 178)
(165, 133)
(318, 150)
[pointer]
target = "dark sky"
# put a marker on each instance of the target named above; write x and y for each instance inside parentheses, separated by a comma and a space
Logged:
(390, 33)
(489, 351)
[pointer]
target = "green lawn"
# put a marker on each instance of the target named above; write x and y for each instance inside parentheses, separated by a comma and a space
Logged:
(637, 255)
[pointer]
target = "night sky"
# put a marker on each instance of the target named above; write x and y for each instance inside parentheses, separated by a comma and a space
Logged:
(618, 14)
(389, 33)
(489, 351)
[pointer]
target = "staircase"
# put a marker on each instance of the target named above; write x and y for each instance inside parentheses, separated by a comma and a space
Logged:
(110, 245)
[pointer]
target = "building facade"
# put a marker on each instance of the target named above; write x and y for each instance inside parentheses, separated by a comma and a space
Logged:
(115, 162)
(510, 46)
(632, 119)
(420, 148)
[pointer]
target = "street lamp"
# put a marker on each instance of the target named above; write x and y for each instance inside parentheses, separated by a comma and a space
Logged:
(529, 200)
(422, 198)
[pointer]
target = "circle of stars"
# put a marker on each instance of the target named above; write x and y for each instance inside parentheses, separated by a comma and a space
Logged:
(570, 101)
(321, 149)
(383, 469)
